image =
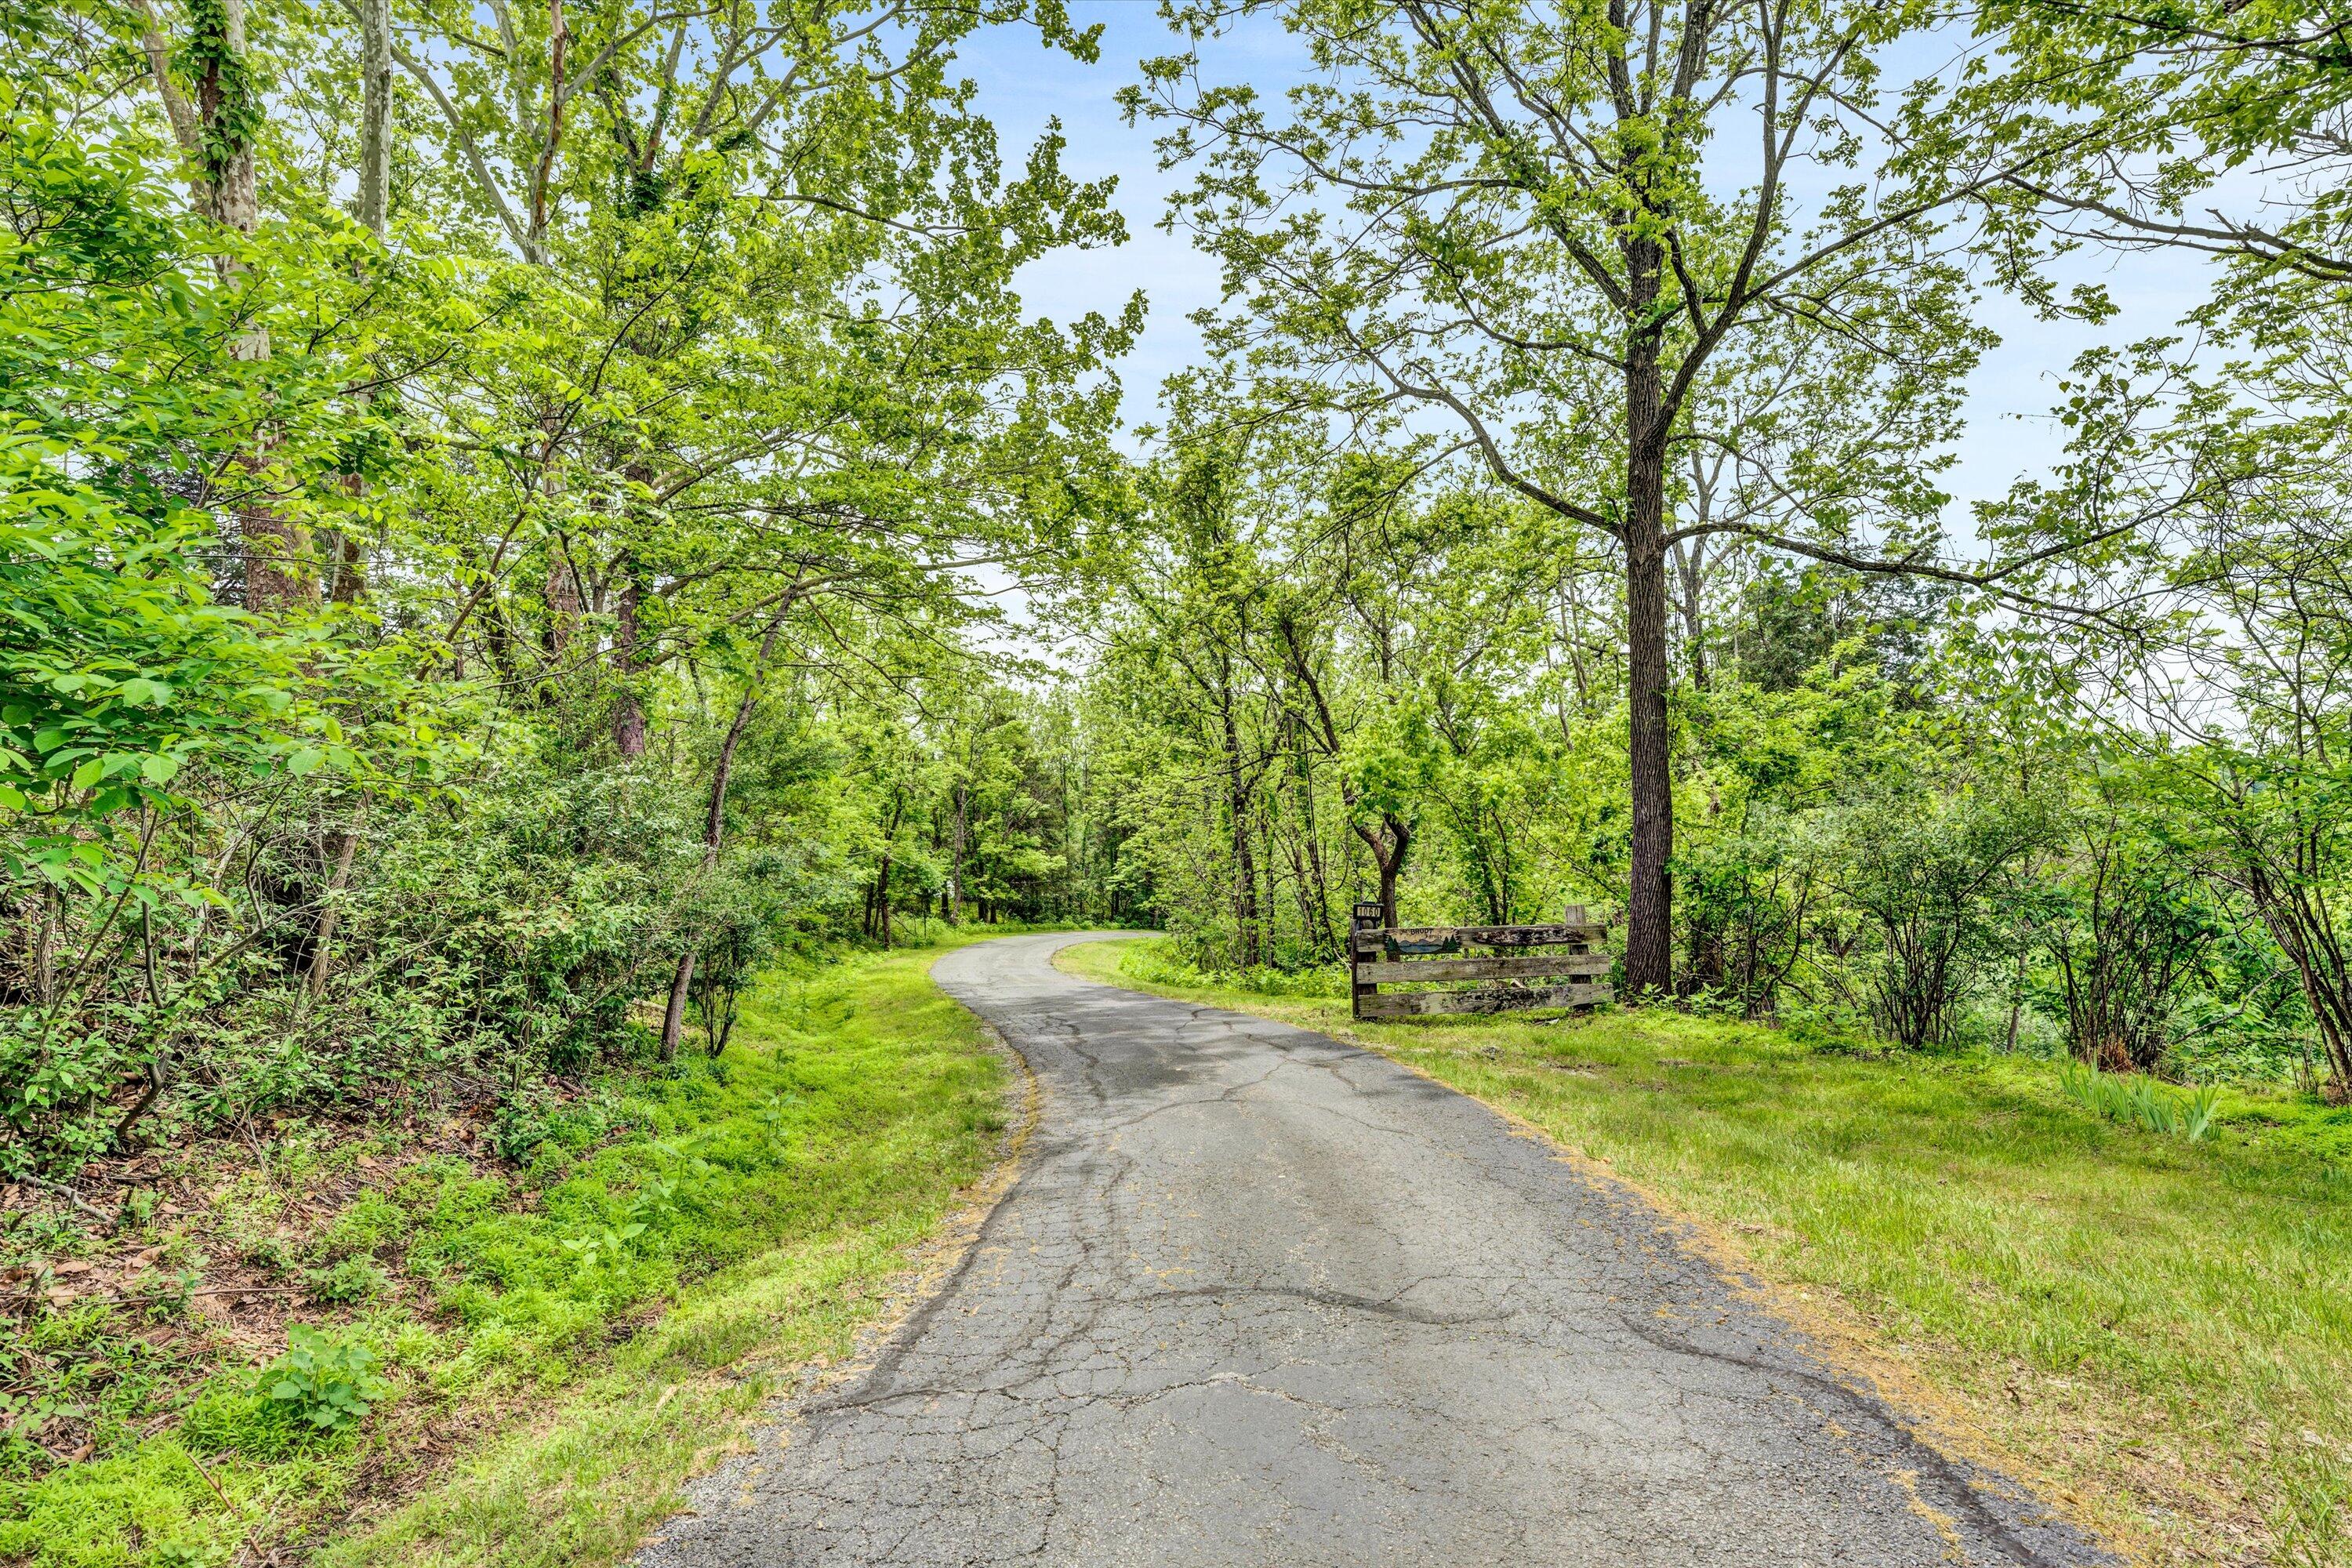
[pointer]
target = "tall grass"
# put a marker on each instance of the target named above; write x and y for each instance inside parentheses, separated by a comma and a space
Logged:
(2138, 1102)
(1155, 960)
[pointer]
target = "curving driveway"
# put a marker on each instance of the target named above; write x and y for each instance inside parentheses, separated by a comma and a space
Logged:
(1261, 1298)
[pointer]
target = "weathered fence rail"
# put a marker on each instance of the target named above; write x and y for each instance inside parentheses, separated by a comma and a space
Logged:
(1571, 960)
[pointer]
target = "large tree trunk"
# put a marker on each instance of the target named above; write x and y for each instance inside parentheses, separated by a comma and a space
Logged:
(1238, 808)
(628, 713)
(1391, 863)
(376, 114)
(226, 141)
(1388, 846)
(176, 109)
(216, 138)
(1649, 903)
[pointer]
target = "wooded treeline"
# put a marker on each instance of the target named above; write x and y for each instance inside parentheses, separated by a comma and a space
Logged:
(475, 589)
(1883, 835)
(501, 510)
(1562, 519)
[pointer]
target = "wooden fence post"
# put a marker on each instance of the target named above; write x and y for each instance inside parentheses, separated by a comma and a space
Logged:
(1367, 917)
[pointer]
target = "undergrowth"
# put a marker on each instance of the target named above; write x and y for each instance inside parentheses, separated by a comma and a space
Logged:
(787, 1176)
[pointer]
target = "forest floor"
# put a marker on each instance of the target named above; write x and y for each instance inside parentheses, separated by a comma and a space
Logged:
(2156, 1333)
(566, 1331)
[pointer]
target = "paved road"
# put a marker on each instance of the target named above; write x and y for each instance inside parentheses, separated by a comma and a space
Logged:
(1259, 1298)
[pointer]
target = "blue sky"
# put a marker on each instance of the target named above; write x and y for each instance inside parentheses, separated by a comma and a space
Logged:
(1023, 86)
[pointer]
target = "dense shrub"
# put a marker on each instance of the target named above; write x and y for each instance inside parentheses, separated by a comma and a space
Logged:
(1926, 875)
(2128, 938)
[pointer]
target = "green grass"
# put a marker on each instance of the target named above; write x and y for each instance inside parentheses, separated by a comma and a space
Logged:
(606, 1318)
(2158, 1332)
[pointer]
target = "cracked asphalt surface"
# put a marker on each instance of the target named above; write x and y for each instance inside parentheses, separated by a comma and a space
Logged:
(1257, 1297)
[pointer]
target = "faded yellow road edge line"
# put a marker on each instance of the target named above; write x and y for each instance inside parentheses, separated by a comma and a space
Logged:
(934, 1263)
(939, 1257)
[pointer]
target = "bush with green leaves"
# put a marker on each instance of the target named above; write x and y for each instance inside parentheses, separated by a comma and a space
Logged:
(1747, 897)
(1927, 874)
(54, 1081)
(2127, 925)
(328, 1385)
(534, 1118)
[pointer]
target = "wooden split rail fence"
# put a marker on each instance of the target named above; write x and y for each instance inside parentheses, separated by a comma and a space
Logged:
(1539, 966)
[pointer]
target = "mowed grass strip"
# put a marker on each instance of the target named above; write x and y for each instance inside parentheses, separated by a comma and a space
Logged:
(2157, 1333)
(580, 1385)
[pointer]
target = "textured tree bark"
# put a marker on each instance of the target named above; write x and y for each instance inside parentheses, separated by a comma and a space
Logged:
(628, 713)
(376, 114)
(176, 109)
(223, 119)
(559, 43)
(1649, 901)
(1389, 843)
(1391, 863)
(563, 608)
(226, 138)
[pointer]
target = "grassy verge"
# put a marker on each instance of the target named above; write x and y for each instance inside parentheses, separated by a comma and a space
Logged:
(560, 1340)
(2159, 1332)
